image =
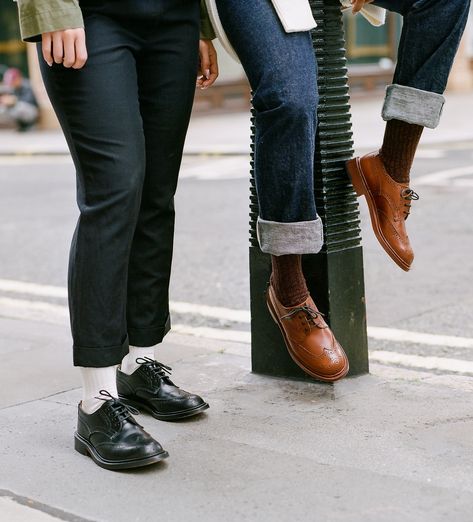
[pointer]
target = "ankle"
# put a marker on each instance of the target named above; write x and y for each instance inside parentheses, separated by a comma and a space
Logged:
(288, 281)
(94, 380)
(129, 364)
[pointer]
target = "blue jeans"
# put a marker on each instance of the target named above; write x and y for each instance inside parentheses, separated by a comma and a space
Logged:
(431, 34)
(282, 71)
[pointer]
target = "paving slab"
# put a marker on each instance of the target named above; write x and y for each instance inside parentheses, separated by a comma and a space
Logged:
(391, 446)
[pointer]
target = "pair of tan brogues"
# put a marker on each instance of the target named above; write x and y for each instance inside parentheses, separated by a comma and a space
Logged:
(309, 340)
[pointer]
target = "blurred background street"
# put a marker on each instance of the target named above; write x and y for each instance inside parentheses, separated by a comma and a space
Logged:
(394, 445)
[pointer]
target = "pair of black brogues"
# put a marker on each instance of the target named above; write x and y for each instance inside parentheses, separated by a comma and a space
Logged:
(112, 437)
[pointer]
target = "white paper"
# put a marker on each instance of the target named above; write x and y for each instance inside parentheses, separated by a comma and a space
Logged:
(295, 15)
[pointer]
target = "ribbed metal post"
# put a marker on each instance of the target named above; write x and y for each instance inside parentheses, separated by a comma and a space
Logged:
(335, 275)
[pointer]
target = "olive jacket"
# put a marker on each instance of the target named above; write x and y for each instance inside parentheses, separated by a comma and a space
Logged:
(44, 16)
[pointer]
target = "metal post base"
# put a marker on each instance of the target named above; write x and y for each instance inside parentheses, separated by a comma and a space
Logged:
(335, 275)
(338, 293)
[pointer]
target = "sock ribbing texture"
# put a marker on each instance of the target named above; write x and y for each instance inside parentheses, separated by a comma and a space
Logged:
(288, 280)
(94, 380)
(399, 147)
(129, 364)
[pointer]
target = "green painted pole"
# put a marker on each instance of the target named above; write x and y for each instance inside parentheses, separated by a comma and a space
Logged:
(335, 275)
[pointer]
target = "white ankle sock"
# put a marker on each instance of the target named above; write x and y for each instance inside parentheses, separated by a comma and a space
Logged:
(94, 380)
(129, 364)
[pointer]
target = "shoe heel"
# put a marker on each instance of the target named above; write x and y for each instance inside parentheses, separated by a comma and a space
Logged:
(80, 446)
(355, 176)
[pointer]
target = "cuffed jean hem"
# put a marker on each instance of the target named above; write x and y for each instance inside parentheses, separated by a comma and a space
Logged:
(149, 336)
(412, 106)
(279, 239)
(100, 356)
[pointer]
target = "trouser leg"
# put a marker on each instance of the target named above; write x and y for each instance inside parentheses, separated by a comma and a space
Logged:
(99, 112)
(165, 103)
(431, 34)
(282, 71)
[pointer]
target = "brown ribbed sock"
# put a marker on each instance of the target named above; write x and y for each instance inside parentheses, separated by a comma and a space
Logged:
(399, 147)
(288, 280)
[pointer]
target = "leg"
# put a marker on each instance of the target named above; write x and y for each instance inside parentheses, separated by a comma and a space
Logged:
(166, 94)
(98, 109)
(282, 71)
(431, 34)
(99, 112)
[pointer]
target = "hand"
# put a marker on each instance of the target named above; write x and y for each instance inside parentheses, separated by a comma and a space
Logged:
(208, 67)
(66, 47)
(359, 4)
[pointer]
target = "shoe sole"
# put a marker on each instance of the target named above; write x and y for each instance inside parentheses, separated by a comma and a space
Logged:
(317, 376)
(178, 415)
(84, 447)
(361, 189)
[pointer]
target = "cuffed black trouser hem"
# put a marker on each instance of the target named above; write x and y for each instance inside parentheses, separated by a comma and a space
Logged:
(100, 356)
(149, 336)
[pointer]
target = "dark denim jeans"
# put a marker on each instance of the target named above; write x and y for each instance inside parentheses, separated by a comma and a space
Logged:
(431, 34)
(282, 72)
(125, 117)
(283, 75)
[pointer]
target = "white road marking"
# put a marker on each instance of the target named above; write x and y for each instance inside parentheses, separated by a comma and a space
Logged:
(22, 287)
(214, 312)
(33, 311)
(447, 177)
(213, 333)
(48, 312)
(36, 159)
(421, 361)
(403, 336)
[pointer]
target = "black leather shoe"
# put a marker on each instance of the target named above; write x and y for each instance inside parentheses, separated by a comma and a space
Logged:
(150, 388)
(113, 438)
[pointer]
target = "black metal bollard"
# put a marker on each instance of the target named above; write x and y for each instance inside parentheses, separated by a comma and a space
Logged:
(335, 275)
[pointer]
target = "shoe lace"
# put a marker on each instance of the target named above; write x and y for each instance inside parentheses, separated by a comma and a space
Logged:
(310, 314)
(409, 195)
(118, 410)
(158, 371)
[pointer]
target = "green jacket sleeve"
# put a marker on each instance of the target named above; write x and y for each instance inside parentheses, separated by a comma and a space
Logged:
(206, 30)
(44, 16)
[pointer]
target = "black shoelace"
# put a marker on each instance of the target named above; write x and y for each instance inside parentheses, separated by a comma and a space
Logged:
(157, 370)
(409, 195)
(310, 314)
(118, 410)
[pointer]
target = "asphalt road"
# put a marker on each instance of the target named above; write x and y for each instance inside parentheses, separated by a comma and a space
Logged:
(38, 213)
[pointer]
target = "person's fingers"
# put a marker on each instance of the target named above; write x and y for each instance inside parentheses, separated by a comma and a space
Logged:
(204, 60)
(81, 50)
(357, 5)
(58, 49)
(69, 39)
(211, 70)
(47, 48)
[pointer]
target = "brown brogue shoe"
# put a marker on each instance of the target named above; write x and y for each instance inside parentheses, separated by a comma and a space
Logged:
(309, 340)
(389, 204)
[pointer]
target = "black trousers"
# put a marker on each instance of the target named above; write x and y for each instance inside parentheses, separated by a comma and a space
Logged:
(125, 116)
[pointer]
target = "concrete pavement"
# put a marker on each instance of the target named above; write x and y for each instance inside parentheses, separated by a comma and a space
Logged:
(391, 446)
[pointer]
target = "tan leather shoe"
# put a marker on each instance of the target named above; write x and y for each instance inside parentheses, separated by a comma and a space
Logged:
(389, 204)
(309, 340)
